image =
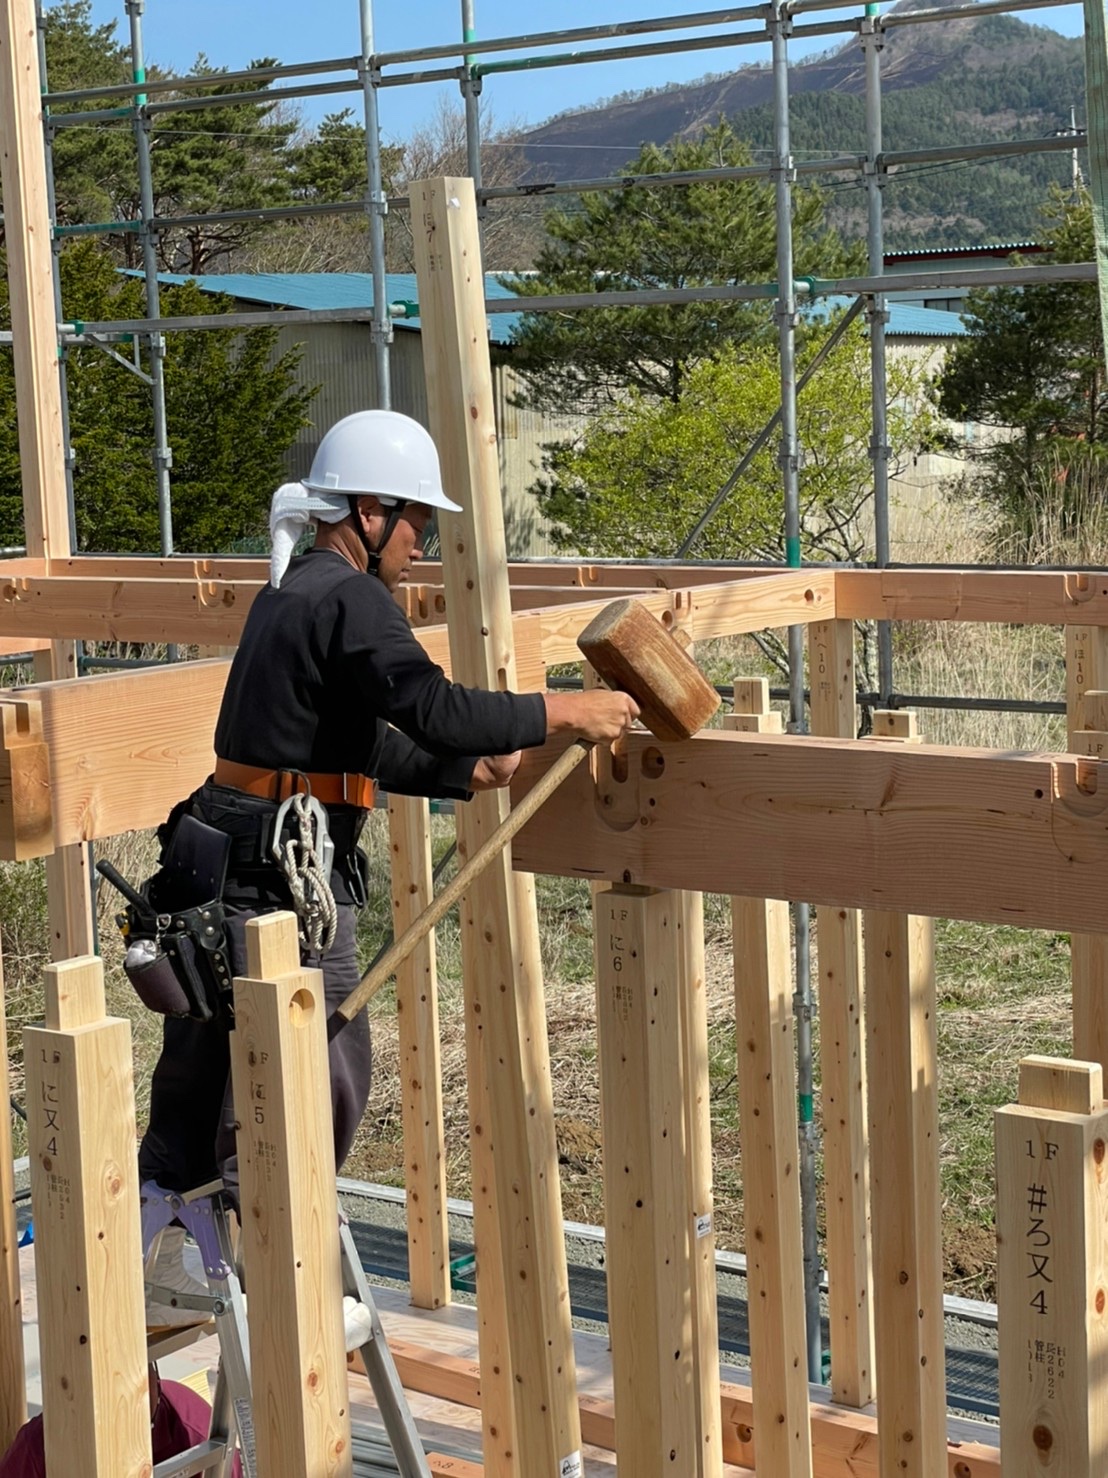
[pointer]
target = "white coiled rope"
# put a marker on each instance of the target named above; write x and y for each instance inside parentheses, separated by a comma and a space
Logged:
(304, 872)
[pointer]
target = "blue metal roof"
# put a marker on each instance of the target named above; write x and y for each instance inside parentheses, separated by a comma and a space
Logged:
(323, 290)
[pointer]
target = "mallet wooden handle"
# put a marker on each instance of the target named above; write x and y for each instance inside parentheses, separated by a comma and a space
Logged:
(372, 981)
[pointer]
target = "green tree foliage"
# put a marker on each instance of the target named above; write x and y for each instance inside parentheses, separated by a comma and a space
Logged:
(704, 233)
(230, 157)
(1033, 368)
(233, 406)
(642, 473)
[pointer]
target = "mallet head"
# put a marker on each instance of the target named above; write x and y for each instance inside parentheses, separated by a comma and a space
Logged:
(633, 651)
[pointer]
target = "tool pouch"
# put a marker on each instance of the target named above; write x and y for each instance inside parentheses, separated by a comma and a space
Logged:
(179, 955)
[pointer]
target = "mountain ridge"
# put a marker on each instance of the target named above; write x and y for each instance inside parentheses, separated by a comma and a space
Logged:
(975, 79)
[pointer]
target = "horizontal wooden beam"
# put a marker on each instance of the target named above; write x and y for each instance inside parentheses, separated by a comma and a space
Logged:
(969, 834)
(1021, 597)
(844, 1442)
(88, 758)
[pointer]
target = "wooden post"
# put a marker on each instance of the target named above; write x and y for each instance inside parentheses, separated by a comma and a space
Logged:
(290, 1230)
(1086, 674)
(843, 1061)
(38, 396)
(417, 1009)
(13, 1390)
(647, 1220)
(771, 1186)
(88, 1245)
(1052, 1208)
(527, 1345)
(910, 1355)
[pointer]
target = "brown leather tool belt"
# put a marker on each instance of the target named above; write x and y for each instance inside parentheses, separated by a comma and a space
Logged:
(278, 785)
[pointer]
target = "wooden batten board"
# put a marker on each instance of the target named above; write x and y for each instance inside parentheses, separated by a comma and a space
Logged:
(703, 611)
(417, 1010)
(843, 1060)
(30, 267)
(502, 965)
(910, 1354)
(647, 1216)
(736, 813)
(844, 1442)
(1087, 670)
(13, 1392)
(1021, 597)
(771, 1186)
(88, 1250)
(290, 1233)
(693, 997)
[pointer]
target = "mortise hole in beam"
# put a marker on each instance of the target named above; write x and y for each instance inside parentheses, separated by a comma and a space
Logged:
(653, 763)
(301, 1007)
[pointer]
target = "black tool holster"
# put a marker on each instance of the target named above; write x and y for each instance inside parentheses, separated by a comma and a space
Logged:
(179, 956)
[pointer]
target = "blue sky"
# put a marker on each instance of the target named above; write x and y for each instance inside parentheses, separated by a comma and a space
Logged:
(232, 32)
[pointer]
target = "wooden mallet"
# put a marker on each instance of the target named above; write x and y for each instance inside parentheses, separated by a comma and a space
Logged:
(632, 651)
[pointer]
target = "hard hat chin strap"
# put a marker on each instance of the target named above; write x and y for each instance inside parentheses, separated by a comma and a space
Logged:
(373, 556)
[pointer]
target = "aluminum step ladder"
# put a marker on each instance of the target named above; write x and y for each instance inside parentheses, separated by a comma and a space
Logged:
(206, 1216)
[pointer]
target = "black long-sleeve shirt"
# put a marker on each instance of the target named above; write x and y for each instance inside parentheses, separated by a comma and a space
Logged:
(328, 662)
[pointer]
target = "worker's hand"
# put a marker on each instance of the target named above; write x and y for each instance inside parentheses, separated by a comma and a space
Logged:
(494, 771)
(598, 715)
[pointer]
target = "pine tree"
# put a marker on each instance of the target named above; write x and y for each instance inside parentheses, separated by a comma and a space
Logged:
(707, 232)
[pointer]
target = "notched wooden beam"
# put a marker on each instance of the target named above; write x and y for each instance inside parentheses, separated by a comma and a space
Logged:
(26, 798)
(972, 834)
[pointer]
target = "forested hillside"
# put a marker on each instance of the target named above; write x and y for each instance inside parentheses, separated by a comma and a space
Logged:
(975, 81)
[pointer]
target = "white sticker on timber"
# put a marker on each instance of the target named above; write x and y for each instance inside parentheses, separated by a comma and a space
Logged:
(704, 1225)
(571, 1467)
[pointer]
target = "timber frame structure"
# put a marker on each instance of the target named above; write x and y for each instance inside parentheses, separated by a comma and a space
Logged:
(881, 835)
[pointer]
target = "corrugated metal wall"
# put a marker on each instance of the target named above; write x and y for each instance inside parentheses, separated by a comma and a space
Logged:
(338, 357)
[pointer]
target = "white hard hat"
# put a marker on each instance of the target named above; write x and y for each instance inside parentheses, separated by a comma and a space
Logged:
(381, 453)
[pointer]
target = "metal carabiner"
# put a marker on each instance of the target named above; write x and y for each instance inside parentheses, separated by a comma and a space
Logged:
(321, 844)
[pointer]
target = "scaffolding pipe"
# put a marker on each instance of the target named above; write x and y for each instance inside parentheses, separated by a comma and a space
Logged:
(838, 287)
(163, 455)
(1000, 150)
(376, 207)
(266, 95)
(787, 319)
(184, 84)
(877, 316)
(539, 39)
(471, 93)
(838, 164)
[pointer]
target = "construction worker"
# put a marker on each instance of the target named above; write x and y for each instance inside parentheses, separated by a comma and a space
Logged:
(330, 691)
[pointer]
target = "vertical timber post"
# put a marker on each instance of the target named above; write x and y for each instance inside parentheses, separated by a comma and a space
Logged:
(527, 1344)
(88, 1244)
(901, 1064)
(1086, 672)
(417, 1011)
(843, 1061)
(290, 1230)
(699, 1203)
(38, 397)
(642, 1106)
(771, 1186)
(1052, 1207)
(13, 1390)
